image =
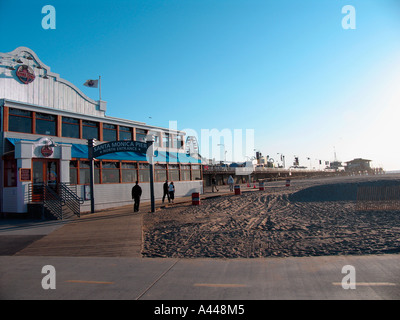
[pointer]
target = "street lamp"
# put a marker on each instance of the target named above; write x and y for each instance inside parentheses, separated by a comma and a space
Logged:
(150, 156)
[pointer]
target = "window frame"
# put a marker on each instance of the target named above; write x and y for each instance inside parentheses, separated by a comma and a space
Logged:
(97, 172)
(113, 130)
(124, 170)
(160, 169)
(185, 169)
(141, 132)
(43, 120)
(11, 116)
(76, 124)
(143, 168)
(122, 129)
(105, 171)
(87, 125)
(174, 169)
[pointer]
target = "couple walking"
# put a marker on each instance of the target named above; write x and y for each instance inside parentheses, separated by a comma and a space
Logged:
(169, 191)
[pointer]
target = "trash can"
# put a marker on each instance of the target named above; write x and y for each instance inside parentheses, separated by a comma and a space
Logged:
(287, 182)
(195, 198)
(237, 190)
(261, 186)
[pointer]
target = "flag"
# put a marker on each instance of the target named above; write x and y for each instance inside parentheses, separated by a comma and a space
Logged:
(92, 83)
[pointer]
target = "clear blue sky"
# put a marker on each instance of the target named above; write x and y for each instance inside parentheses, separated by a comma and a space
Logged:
(285, 69)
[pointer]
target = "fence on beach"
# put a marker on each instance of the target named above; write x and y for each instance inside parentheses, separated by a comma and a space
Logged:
(379, 198)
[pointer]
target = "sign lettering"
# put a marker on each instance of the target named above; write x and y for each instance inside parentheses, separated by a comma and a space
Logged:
(25, 174)
(119, 146)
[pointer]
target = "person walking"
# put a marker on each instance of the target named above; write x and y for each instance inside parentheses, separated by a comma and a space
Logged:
(214, 184)
(231, 182)
(165, 192)
(171, 190)
(136, 194)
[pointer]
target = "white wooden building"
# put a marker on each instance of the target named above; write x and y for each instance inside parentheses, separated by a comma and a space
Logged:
(45, 123)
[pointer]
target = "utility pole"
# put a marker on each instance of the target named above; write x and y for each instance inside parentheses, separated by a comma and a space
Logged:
(150, 155)
(91, 145)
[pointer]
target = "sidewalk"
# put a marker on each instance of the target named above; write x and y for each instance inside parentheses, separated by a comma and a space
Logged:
(115, 232)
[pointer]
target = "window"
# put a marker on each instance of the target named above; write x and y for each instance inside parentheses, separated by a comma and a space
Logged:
(166, 140)
(160, 172)
(144, 172)
(173, 172)
(141, 135)
(125, 133)
(45, 124)
(20, 120)
(128, 171)
(10, 173)
(109, 132)
(73, 172)
(196, 172)
(84, 172)
(110, 172)
(90, 130)
(185, 172)
(70, 127)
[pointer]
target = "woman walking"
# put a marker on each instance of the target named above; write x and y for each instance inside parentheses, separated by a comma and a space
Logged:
(171, 190)
(231, 182)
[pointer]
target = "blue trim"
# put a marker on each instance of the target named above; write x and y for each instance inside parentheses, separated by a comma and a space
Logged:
(80, 151)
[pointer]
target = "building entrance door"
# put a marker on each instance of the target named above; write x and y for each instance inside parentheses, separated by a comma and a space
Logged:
(44, 171)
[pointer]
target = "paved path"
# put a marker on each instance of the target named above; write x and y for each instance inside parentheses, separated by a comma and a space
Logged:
(114, 278)
(98, 257)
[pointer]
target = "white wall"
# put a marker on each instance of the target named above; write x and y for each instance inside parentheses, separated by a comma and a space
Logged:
(10, 199)
(53, 92)
(116, 195)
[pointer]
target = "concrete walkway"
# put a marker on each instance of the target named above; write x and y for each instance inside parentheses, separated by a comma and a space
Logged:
(97, 256)
(115, 232)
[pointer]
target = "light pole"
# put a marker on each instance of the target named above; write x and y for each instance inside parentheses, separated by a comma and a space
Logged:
(150, 157)
(91, 145)
(223, 145)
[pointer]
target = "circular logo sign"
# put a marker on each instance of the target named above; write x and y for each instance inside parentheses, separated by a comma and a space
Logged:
(25, 74)
(46, 151)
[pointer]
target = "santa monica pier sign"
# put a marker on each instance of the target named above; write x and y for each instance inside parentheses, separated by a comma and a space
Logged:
(119, 146)
(95, 151)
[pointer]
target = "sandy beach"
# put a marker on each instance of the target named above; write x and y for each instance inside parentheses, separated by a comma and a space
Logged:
(310, 218)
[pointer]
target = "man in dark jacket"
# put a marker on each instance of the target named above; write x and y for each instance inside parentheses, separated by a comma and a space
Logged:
(165, 191)
(136, 194)
(214, 184)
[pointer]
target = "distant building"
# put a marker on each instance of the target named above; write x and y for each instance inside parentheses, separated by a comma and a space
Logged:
(336, 165)
(358, 165)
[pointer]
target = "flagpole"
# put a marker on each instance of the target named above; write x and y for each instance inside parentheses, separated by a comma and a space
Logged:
(100, 87)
